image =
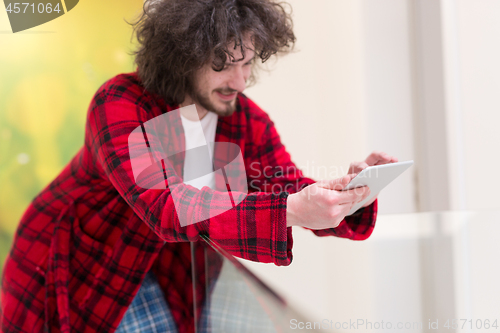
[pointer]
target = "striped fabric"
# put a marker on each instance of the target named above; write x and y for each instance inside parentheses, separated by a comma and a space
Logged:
(233, 306)
(149, 311)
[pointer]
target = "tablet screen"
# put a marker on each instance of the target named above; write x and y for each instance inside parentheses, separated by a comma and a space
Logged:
(376, 177)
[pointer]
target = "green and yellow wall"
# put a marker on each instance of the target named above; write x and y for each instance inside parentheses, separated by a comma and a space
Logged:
(48, 75)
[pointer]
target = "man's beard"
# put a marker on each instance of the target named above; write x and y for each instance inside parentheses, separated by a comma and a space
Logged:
(205, 102)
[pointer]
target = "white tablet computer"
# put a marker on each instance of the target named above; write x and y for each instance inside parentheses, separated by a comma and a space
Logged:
(376, 177)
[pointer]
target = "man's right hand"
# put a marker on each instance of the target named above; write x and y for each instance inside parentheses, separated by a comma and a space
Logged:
(323, 205)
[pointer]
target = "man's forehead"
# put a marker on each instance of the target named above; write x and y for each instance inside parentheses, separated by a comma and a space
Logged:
(237, 56)
(236, 52)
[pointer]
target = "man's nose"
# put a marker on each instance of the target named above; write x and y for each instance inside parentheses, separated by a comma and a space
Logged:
(238, 79)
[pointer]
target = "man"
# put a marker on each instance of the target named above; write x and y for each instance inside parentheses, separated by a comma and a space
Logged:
(94, 240)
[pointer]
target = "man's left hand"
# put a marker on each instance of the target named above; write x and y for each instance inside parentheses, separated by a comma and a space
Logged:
(375, 158)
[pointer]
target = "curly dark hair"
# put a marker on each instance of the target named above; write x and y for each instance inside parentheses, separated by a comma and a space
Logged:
(177, 37)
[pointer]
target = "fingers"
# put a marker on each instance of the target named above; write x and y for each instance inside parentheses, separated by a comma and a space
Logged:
(357, 167)
(337, 184)
(352, 196)
(379, 157)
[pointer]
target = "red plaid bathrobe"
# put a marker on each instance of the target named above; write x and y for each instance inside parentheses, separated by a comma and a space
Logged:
(87, 240)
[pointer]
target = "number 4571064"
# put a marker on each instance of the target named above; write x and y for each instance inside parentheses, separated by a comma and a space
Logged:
(41, 8)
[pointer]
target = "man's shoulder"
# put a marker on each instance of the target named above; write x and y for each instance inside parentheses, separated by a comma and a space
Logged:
(252, 111)
(123, 87)
(119, 86)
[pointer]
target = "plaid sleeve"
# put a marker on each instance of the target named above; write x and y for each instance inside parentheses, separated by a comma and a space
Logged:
(254, 230)
(287, 177)
(358, 226)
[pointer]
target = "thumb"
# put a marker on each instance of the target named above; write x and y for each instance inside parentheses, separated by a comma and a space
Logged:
(339, 183)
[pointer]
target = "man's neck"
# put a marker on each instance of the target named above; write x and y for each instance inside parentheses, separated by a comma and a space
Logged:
(202, 112)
